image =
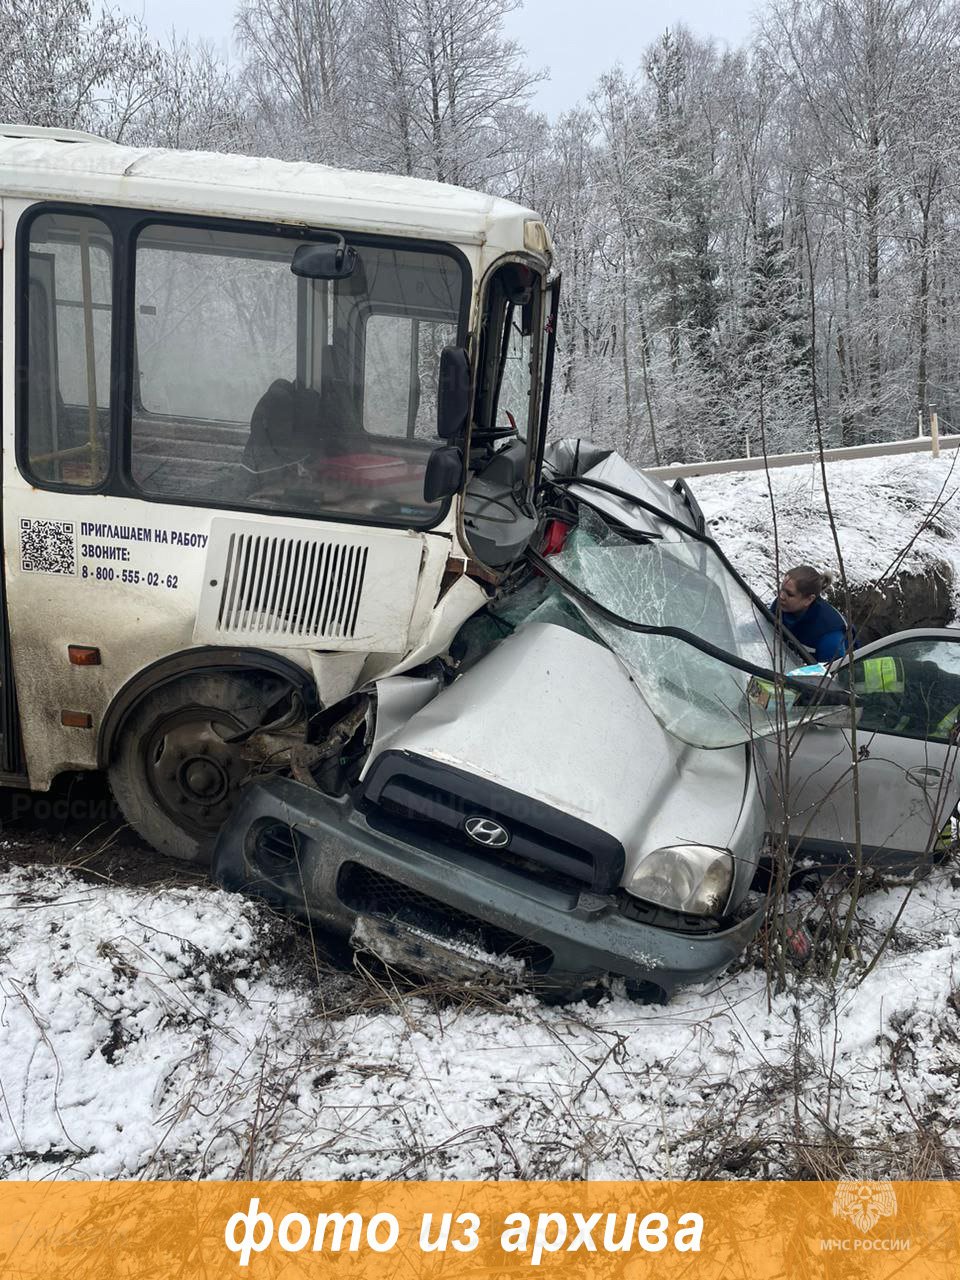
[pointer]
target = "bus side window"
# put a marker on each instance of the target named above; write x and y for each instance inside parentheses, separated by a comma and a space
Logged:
(69, 294)
(401, 355)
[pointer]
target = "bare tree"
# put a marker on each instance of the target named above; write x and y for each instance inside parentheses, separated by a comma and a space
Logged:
(444, 90)
(68, 66)
(195, 102)
(297, 70)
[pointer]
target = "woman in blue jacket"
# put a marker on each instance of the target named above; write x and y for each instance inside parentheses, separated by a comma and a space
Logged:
(807, 616)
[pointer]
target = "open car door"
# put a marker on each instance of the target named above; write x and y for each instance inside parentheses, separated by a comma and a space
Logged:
(908, 718)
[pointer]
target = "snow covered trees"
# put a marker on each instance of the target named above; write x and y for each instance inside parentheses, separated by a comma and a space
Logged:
(729, 222)
(869, 83)
(787, 209)
(65, 64)
(72, 65)
(430, 88)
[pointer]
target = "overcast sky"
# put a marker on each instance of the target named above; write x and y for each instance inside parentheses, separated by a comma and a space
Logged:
(576, 41)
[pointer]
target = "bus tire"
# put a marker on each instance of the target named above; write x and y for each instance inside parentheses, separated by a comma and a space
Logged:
(174, 772)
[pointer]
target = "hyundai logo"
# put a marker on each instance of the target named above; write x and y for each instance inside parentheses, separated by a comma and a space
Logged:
(487, 832)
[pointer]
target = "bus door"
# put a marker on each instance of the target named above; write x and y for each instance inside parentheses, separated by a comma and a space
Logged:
(11, 755)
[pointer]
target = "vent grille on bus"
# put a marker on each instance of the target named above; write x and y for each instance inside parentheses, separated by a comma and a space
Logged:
(285, 585)
(281, 586)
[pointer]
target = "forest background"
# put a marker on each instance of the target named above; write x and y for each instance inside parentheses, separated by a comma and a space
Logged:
(757, 243)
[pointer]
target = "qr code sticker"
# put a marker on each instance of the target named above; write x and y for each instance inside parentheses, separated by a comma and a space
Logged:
(47, 546)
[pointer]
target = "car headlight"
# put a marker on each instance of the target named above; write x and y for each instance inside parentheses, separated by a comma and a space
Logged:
(694, 878)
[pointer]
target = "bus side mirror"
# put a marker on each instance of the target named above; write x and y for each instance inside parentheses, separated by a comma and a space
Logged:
(444, 474)
(453, 399)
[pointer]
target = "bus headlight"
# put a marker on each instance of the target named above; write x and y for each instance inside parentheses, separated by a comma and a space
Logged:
(694, 878)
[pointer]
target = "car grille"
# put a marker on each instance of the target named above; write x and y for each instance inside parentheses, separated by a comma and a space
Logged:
(540, 838)
(372, 893)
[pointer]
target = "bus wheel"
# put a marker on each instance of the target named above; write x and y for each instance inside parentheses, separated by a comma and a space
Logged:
(175, 772)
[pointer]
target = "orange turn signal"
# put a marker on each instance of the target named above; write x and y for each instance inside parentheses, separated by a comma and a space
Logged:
(76, 719)
(83, 655)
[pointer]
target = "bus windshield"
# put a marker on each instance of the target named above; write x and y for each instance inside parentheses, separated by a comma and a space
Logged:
(252, 388)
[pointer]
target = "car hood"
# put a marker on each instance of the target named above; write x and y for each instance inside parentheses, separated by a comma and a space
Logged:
(554, 716)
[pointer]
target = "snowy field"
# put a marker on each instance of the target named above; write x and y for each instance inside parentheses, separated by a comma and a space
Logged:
(163, 1034)
(179, 1032)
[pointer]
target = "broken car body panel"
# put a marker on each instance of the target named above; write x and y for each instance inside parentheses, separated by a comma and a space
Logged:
(335, 864)
(555, 718)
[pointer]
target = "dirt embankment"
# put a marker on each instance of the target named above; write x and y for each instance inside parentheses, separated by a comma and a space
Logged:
(907, 600)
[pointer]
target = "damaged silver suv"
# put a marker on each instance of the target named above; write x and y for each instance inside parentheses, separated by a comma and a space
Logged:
(570, 788)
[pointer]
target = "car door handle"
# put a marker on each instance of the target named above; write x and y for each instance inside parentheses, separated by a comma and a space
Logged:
(923, 776)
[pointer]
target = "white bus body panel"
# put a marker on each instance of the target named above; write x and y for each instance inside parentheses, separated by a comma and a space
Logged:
(281, 191)
(133, 579)
(280, 586)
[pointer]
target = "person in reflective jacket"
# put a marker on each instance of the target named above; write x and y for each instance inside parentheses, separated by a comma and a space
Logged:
(808, 617)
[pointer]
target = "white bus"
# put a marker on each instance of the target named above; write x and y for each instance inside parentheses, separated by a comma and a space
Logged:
(269, 432)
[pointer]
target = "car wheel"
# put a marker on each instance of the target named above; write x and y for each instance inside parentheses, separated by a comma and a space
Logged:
(176, 773)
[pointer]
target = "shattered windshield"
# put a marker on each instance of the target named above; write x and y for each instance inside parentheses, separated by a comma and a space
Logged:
(675, 581)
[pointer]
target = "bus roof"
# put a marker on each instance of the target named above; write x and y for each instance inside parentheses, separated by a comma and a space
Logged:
(63, 165)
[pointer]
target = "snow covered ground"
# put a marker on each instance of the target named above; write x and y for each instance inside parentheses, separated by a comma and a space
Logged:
(185, 1033)
(165, 1034)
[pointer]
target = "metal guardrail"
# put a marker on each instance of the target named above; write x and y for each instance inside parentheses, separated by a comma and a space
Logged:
(920, 444)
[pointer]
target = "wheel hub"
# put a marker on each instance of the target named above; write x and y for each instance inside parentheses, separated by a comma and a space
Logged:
(204, 779)
(193, 768)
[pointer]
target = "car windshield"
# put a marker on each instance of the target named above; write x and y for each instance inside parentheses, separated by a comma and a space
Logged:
(678, 582)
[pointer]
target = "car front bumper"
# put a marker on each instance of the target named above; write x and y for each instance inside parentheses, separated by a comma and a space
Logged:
(358, 875)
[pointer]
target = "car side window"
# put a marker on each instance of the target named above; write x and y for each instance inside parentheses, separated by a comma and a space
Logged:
(911, 689)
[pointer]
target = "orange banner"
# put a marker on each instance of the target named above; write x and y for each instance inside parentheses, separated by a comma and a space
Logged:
(448, 1230)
